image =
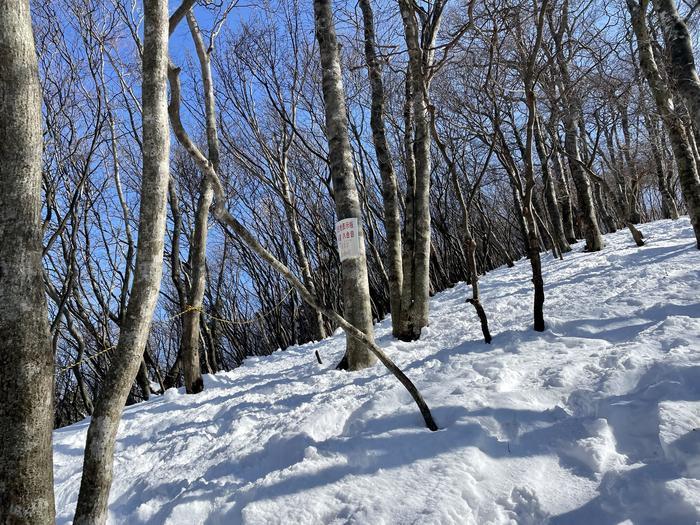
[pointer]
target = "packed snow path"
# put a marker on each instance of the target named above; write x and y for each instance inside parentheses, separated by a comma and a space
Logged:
(594, 421)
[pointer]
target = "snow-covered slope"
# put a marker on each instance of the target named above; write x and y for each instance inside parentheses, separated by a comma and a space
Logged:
(594, 421)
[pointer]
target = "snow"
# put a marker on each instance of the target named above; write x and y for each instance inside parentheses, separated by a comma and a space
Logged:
(593, 421)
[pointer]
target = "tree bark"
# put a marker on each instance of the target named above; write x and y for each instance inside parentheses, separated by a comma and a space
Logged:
(550, 193)
(409, 229)
(173, 373)
(392, 218)
(567, 215)
(99, 449)
(587, 214)
(533, 238)
(26, 358)
(680, 45)
(570, 107)
(356, 300)
(669, 208)
(191, 319)
(679, 136)
(416, 284)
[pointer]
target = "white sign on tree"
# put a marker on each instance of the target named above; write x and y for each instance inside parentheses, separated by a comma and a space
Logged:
(348, 236)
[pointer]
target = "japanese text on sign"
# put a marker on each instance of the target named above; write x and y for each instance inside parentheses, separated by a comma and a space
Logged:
(347, 235)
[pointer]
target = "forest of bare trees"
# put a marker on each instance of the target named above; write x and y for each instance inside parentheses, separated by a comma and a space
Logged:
(171, 176)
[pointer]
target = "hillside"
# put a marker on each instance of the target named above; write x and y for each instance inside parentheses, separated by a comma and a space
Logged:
(593, 421)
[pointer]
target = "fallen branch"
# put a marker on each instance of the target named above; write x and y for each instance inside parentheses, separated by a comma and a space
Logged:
(242, 233)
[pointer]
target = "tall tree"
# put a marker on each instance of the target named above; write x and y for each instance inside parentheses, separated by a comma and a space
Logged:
(416, 257)
(356, 300)
(392, 218)
(26, 358)
(198, 243)
(680, 46)
(529, 213)
(101, 436)
(679, 135)
(571, 109)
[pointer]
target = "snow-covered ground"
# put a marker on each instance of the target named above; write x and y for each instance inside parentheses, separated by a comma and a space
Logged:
(594, 421)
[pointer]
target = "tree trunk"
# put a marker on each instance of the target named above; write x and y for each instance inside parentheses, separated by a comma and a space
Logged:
(606, 219)
(99, 449)
(550, 193)
(356, 300)
(533, 240)
(680, 45)
(518, 205)
(570, 107)
(567, 215)
(409, 230)
(470, 245)
(191, 319)
(680, 143)
(198, 243)
(26, 358)
(589, 220)
(82, 388)
(392, 219)
(669, 208)
(415, 307)
(533, 244)
(173, 373)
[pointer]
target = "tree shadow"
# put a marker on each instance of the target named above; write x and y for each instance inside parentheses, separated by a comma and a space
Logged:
(368, 443)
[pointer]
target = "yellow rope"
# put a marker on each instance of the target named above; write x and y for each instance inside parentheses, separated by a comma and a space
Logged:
(246, 321)
(66, 368)
(190, 308)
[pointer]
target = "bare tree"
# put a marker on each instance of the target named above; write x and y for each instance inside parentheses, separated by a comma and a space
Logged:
(26, 359)
(99, 449)
(679, 136)
(392, 219)
(572, 142)
(680, 47)
(356, 299)
(417, 231)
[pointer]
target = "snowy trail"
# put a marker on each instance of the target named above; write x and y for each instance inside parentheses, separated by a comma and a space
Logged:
(593, 421)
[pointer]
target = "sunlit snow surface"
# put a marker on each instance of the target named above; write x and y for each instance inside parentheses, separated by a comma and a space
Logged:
(594, 421)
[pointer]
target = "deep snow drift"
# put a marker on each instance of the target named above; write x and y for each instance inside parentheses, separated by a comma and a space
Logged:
(594, 421)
